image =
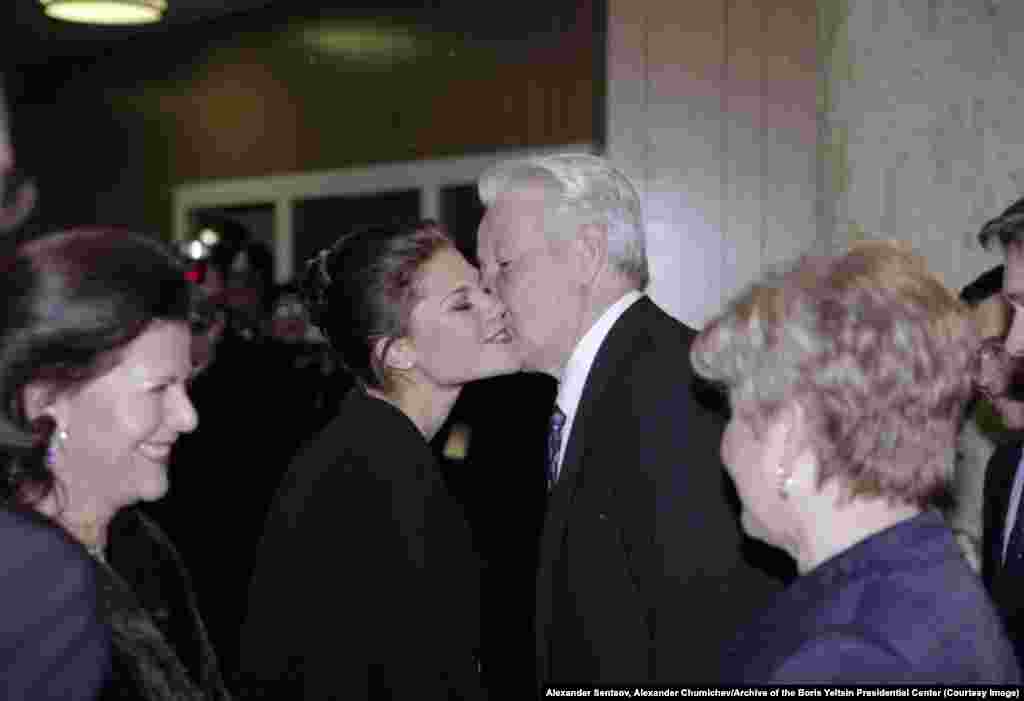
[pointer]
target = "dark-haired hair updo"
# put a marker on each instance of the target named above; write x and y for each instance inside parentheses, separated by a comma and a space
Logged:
(361, 290)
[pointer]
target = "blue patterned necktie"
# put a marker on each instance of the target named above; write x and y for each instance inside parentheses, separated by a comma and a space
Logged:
(554, 444)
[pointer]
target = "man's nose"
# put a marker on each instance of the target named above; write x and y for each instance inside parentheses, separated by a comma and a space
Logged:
(487, 282)
(497, 308)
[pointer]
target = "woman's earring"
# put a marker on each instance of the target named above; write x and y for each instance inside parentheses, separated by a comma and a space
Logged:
(56, 444)
(785, 482)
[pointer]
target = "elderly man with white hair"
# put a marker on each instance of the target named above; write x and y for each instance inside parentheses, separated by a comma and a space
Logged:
(641, 575)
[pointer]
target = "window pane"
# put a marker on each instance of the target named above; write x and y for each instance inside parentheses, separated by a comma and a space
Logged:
(318, 222)
(461, 212)
(257, 219)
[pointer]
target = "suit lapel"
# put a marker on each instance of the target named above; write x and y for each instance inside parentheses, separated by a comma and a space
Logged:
(1005, 470)
(626, 336)
(622, 340)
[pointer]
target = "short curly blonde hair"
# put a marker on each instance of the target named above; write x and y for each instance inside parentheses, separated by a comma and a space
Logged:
(876, 349)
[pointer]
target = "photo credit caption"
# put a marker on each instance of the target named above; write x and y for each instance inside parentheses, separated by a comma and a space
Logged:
(794, 692)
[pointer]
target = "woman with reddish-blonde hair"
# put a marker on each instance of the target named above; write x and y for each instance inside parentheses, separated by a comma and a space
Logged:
(847, 378)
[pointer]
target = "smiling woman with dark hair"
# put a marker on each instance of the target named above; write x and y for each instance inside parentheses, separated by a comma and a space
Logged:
(95, 338)
(367, 584)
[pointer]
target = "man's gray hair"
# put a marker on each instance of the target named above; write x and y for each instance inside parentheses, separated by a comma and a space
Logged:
(587, 189)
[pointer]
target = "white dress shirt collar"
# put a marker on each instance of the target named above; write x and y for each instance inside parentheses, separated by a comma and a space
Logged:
(574, 375)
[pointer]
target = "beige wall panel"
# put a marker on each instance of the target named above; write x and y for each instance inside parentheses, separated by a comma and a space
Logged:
(928, 118)
(712, 108)
(675, 144)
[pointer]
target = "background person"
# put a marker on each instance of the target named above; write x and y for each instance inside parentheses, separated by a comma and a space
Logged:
(367, 581)
(847, 377)
(626, 593)
(1002, 550)
(96, 355)
(314, 375)
(1003, 566)
(983, 429)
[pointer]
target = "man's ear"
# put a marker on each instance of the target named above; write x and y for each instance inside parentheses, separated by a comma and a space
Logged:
(590, 251)
(395, 353)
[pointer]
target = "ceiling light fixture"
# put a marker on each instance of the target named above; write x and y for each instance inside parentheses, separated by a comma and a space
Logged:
(105, 11)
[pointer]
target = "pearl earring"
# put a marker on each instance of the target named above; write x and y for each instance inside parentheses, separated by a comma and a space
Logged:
(785, 482)
(56, 444)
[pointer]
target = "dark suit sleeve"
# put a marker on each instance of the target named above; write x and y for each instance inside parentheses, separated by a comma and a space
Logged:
(52, 641)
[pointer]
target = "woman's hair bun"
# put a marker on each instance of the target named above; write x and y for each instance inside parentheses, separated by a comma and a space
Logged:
(314, 287)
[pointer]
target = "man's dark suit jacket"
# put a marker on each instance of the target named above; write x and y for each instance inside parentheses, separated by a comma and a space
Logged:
(901, 606)
(366, 585)
(641, 577)
(53, 644)
(1007, 592)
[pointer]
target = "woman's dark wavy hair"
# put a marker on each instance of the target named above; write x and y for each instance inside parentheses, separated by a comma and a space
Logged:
(361, 290)
(71, 300)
